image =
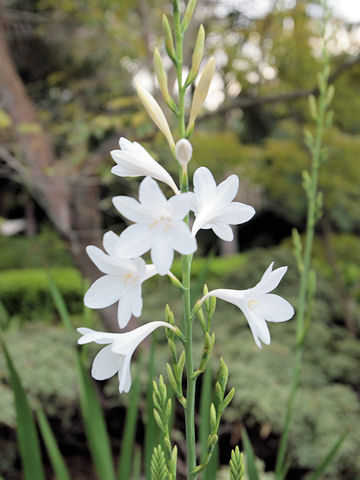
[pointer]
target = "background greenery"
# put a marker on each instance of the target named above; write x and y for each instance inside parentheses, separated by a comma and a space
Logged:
(77, 64)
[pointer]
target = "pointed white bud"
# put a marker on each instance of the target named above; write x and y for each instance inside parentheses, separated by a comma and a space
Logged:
(155, 113)
(201, 91)
(183, 151)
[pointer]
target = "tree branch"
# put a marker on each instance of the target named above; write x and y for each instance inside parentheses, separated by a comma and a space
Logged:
(243, 102)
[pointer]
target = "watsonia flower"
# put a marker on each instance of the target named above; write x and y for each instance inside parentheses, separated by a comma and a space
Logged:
(159, 225)
(258, 305)
(121, 282)
(116, 356)
(214, 207)
(134, 161)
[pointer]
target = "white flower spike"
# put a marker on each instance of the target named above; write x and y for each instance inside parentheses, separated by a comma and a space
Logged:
(159, 225)
(258, 305)
(116, 356)
(121, 282)
(214, 207)
(134, 161)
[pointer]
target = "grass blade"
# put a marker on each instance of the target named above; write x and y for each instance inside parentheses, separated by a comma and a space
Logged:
(56, 459)
(94, 424)
(127, 447)
(92, 415)
(136, 468)
(4, 317)
(26, 430)
(330, 456)
(250, 458)
(59, 303)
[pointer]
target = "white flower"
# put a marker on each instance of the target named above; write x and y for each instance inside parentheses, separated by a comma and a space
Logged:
(121, 282)
(214, 207)
(258, 305)
(134, 161)
(116, 356)
(159, 225)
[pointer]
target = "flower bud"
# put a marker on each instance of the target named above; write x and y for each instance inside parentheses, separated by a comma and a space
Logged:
(201, 91)
(169, 42)
(162, 79)
(155, 113)
(197, 56)
(183, 152)
(189, 12)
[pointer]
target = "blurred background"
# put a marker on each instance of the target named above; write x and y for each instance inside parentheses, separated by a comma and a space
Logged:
(66, 96)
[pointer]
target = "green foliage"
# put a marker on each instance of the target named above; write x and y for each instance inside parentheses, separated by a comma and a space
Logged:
(159, 470)
(42, 250)
(237, 469)
(37, 349)
(52, 448)
(27, 292)
(26, 430)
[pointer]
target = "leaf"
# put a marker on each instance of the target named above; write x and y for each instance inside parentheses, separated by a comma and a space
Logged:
(330, 456)
(94, 424)
(56, 459)
(26, 430)
(250, 458)
(59, 303)
(128, 438)
(92, 415)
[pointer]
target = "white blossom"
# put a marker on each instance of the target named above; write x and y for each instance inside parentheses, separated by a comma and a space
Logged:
(134, 161)
(159, 225)
(121, 282)
(214, 207)
(116, 356)
(258, 305)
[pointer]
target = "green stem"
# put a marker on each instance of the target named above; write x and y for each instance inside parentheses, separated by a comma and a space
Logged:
(186, 265)
(305, 274)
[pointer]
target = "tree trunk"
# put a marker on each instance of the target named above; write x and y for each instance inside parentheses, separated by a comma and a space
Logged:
(70, 199)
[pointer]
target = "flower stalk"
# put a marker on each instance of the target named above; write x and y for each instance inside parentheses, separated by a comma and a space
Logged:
(319, 110)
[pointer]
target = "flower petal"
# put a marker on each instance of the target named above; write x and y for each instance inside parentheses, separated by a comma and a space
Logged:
(203, 181)
(126, 343)
(90, 335)
(162, 255)
(274, 308)
(103, 292)
(124, 310)
(269, 281)
(227, 190)
(109, 242)
(150, 194)
(180, 238)
(258, 328)
(180, 205)
(136, 300)
(236, 213)
(124, 374)
(150, 272)
(132, 209)
(105, 364)
(107, 264)
(134, 241)
(223, 231)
